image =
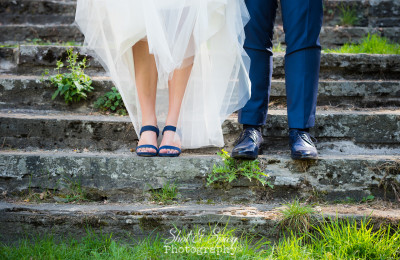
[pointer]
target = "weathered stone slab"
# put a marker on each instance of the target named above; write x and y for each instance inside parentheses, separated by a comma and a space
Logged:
(36, 7)
(30, 91)
(336, 36)
(136, 221)
(52, 33)
(376, 13)
(127, 177)
(33, 60)
(37, 12)
(53, 19)
(27, 92)
(55, 130)
(331, 36)
(383, 127)
(74, 131)
(350, 66)
(139, 221)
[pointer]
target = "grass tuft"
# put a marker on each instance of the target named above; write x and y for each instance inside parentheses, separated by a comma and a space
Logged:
(297, 217)
(166, 194)
(72, 191)
(349, 240)
(372, 44)
(278, 48)
(348, 15)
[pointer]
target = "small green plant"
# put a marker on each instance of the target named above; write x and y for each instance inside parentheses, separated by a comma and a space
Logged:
(231, 169)
(348, 16)
(297, 217)
(369, 198)
(9, 45)
(112, 102)
(164, 195)
(74, 85)
(372, 44)
(71, 191)
(278, 48)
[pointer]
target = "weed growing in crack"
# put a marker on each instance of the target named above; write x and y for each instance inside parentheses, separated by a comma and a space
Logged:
(72, 191)
(369, 198)
(348, 15)
(232, 169)
(296, 217)
(34, 196)
(166, 194)
(278, 48)
(74, 85)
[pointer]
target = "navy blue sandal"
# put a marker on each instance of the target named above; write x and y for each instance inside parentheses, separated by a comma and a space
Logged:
(148, 154)
(169, 147)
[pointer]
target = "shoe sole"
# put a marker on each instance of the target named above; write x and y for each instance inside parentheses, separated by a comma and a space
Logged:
(147, 155)
(169, 155)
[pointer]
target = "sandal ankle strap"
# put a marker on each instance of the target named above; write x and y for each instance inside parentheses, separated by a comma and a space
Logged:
(150, 128)
(169, 128)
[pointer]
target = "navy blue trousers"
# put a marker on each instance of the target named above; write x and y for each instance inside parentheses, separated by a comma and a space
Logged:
(302, 22)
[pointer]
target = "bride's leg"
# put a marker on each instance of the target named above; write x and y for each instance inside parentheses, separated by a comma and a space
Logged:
(146, 84)
(177, 87)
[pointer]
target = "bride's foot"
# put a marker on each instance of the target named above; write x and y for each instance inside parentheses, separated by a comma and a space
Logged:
(147, 145)
(169, 139)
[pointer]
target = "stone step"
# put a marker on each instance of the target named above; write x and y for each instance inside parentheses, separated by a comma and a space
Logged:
(14, 33)
(331, 36)
(30, 92)
(37, 19)
(18, 220)
(336, 36)
(33, 60)
(125, 177)
(37, 11)
(369, 13)
(60, 130)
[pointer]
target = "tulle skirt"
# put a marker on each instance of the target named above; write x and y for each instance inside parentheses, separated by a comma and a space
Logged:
(208, 34)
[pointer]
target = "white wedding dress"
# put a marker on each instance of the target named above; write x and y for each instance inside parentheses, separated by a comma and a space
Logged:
(207, 33)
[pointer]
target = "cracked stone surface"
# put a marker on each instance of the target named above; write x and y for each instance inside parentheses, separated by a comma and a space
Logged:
(34, 59)
(52, 130)
(140, 220)
(26, 91)
(126, 177)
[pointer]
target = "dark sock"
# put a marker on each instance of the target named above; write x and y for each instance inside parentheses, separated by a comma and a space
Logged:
(301, 129)
(257, 127)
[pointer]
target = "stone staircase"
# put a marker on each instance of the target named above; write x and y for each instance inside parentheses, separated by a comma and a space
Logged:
(43, 141)
(51, 20)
